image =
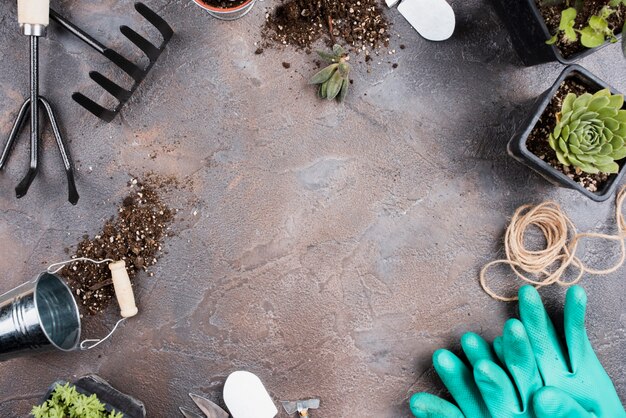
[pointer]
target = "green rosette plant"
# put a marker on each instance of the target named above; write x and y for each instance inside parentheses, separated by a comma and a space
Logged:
(333, 80)
(590, 132)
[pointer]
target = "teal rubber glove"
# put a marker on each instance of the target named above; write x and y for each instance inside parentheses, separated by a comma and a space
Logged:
(574, 378)
(485, 389)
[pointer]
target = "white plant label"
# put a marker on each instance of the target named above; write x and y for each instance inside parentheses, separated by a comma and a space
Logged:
(246, 397)
(433, 19)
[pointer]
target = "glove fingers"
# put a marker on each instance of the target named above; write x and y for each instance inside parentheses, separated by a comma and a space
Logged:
(460, 383)
(548, 351)
(520, 361)
(425, 405)
(550, 402)
(476, 348)
(499, 350)
(497, 389)
(578, 343)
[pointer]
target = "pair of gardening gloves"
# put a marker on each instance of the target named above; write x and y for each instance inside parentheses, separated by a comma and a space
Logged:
(529, 373)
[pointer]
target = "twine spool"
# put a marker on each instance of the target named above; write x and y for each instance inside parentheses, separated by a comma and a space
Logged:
(547, 265)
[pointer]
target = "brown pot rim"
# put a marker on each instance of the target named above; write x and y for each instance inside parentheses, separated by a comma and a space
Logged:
(222, 10)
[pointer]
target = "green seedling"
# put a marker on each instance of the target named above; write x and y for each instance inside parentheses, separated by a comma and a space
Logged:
(67, 402)
(333, 80)
(590, 132)
(597, 30)
(566, 26)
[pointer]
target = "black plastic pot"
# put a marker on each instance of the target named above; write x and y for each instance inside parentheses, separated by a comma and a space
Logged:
(529, 33)
(109, 396)
(517, 145)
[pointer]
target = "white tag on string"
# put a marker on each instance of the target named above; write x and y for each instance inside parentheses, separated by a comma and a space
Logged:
(123, 293)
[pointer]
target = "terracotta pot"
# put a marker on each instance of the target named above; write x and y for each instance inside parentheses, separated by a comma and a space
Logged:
(230, 13)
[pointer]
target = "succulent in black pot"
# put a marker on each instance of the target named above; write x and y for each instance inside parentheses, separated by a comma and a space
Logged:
(576, 135)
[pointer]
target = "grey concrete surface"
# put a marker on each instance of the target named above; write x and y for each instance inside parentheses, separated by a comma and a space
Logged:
(334, 248)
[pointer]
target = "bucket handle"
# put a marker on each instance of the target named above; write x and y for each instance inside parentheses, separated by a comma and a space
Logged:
(123, 293)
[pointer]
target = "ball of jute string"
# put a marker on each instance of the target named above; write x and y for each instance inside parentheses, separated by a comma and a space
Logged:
(547, 265)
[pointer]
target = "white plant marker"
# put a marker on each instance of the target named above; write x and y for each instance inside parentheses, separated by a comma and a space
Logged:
(246, 397)
(433, 19)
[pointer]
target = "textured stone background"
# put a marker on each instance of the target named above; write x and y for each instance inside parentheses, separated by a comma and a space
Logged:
(334, 247)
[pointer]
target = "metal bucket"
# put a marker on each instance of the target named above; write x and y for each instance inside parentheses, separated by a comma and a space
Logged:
(40, 315)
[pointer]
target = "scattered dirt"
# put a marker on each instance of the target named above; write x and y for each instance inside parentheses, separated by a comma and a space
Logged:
(552, 17)
(537, 141)
(224, 4)
(135, 235)
(286, 65)
(360, 23)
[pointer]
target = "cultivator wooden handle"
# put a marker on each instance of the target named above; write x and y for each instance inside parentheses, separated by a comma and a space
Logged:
(123, 289)
(33, 12)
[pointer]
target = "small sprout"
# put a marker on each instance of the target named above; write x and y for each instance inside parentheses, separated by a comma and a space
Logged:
(333, 80)
(597, 30)
(595, 33)
(566, 26)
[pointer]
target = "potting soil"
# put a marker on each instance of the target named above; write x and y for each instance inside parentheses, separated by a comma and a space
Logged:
(538, 144)
(224, 4)
(135, 235)
(360, 24)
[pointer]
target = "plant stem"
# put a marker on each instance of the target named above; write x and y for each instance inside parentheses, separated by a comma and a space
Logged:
(330, 29)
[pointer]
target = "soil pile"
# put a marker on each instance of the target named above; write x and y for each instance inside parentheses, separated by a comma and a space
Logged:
(134, 235)
(538, 144)
(361, 24)
(552, 17)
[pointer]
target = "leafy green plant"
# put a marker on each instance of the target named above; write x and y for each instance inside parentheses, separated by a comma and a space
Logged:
(566, 26)
(590, 132)
(67, 402)
(333, 80)
(597, 30)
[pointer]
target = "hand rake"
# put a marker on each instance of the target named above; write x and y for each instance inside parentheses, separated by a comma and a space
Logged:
(137, 73)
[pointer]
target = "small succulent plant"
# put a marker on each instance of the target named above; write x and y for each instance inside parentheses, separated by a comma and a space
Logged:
(333, 80)
(590, 132)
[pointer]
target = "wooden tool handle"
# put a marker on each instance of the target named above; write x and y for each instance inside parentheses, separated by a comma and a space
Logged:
(123, 289)
(33, 12)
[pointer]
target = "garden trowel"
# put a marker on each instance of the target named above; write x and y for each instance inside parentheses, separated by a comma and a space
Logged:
(432, 19)
(301, 407)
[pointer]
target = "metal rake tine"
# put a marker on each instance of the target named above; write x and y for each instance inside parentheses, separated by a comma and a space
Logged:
(15, 131)
(93, 107)
(65, 156)
(157, 21)
(136, 72)
(142, 43)
(22, 188)
(111, 87)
